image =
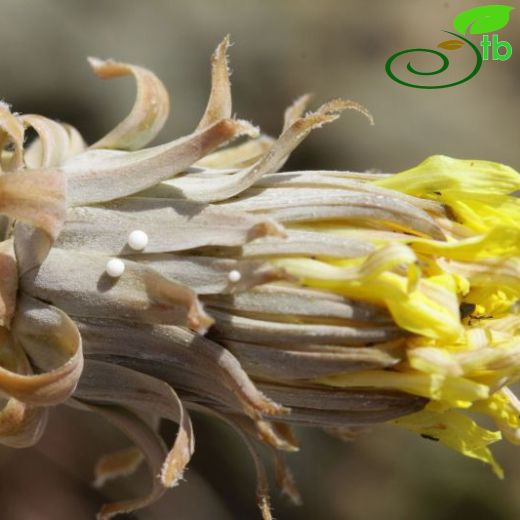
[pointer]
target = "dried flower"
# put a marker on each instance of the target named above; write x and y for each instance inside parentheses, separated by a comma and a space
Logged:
(141, 282)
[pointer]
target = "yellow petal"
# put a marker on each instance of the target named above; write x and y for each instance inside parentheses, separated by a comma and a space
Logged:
(504, 408)
(456, 431)
(439, 173)
(483, 211)
(496, 300)
(501, 241)
(434, 360)
(424, 306)
(457, 392)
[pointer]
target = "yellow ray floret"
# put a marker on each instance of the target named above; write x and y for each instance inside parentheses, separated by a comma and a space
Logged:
(438, 174)
(457, 431)
(426, 306)
(456, 360)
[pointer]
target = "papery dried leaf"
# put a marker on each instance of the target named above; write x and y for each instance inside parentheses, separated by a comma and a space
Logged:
(338, 105)
(311, 205)
(76, 142)
(262, 482)
(308, 243)
(366, 176)
(31, 245)
(285, 479)
(44, 150)
(219, 103)
(8, 282)
(177, 355)
(221, 188)
(369, 234)
(248, 434)
(21, 425)
(150, 110)
(52, 145)
(48, 336)
(277, 362)
(36, 197)
(103, 175)
(343, 180)
(78, 283)
(111, 384)
(209, 275)
(171, 225)
(278, 300)
(278, 435)
(239, 156)
(148, 442)
(228, 326)
(358, 215)
(295, 111)
(53, 343)
(120, 463)
(43, 146)
(11, 134)
(314, 406)
(320, 397)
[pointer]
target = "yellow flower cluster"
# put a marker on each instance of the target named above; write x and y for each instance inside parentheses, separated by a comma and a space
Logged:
(459, 297)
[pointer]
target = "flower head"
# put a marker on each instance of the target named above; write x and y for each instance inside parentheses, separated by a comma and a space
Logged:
(144, 283)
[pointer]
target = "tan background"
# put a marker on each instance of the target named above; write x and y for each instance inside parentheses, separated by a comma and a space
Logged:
(282, 49)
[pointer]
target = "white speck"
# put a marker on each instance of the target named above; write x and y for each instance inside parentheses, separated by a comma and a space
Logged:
(234, 276)
(138, 240)
(115, 267)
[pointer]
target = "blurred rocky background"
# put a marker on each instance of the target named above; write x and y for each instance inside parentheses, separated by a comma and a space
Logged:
(282, 49)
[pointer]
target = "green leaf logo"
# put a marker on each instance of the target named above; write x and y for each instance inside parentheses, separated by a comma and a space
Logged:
(483, 19)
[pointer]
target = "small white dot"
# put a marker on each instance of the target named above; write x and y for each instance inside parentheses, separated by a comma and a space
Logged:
(115, 267)
(138, 240)
(234, 276)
